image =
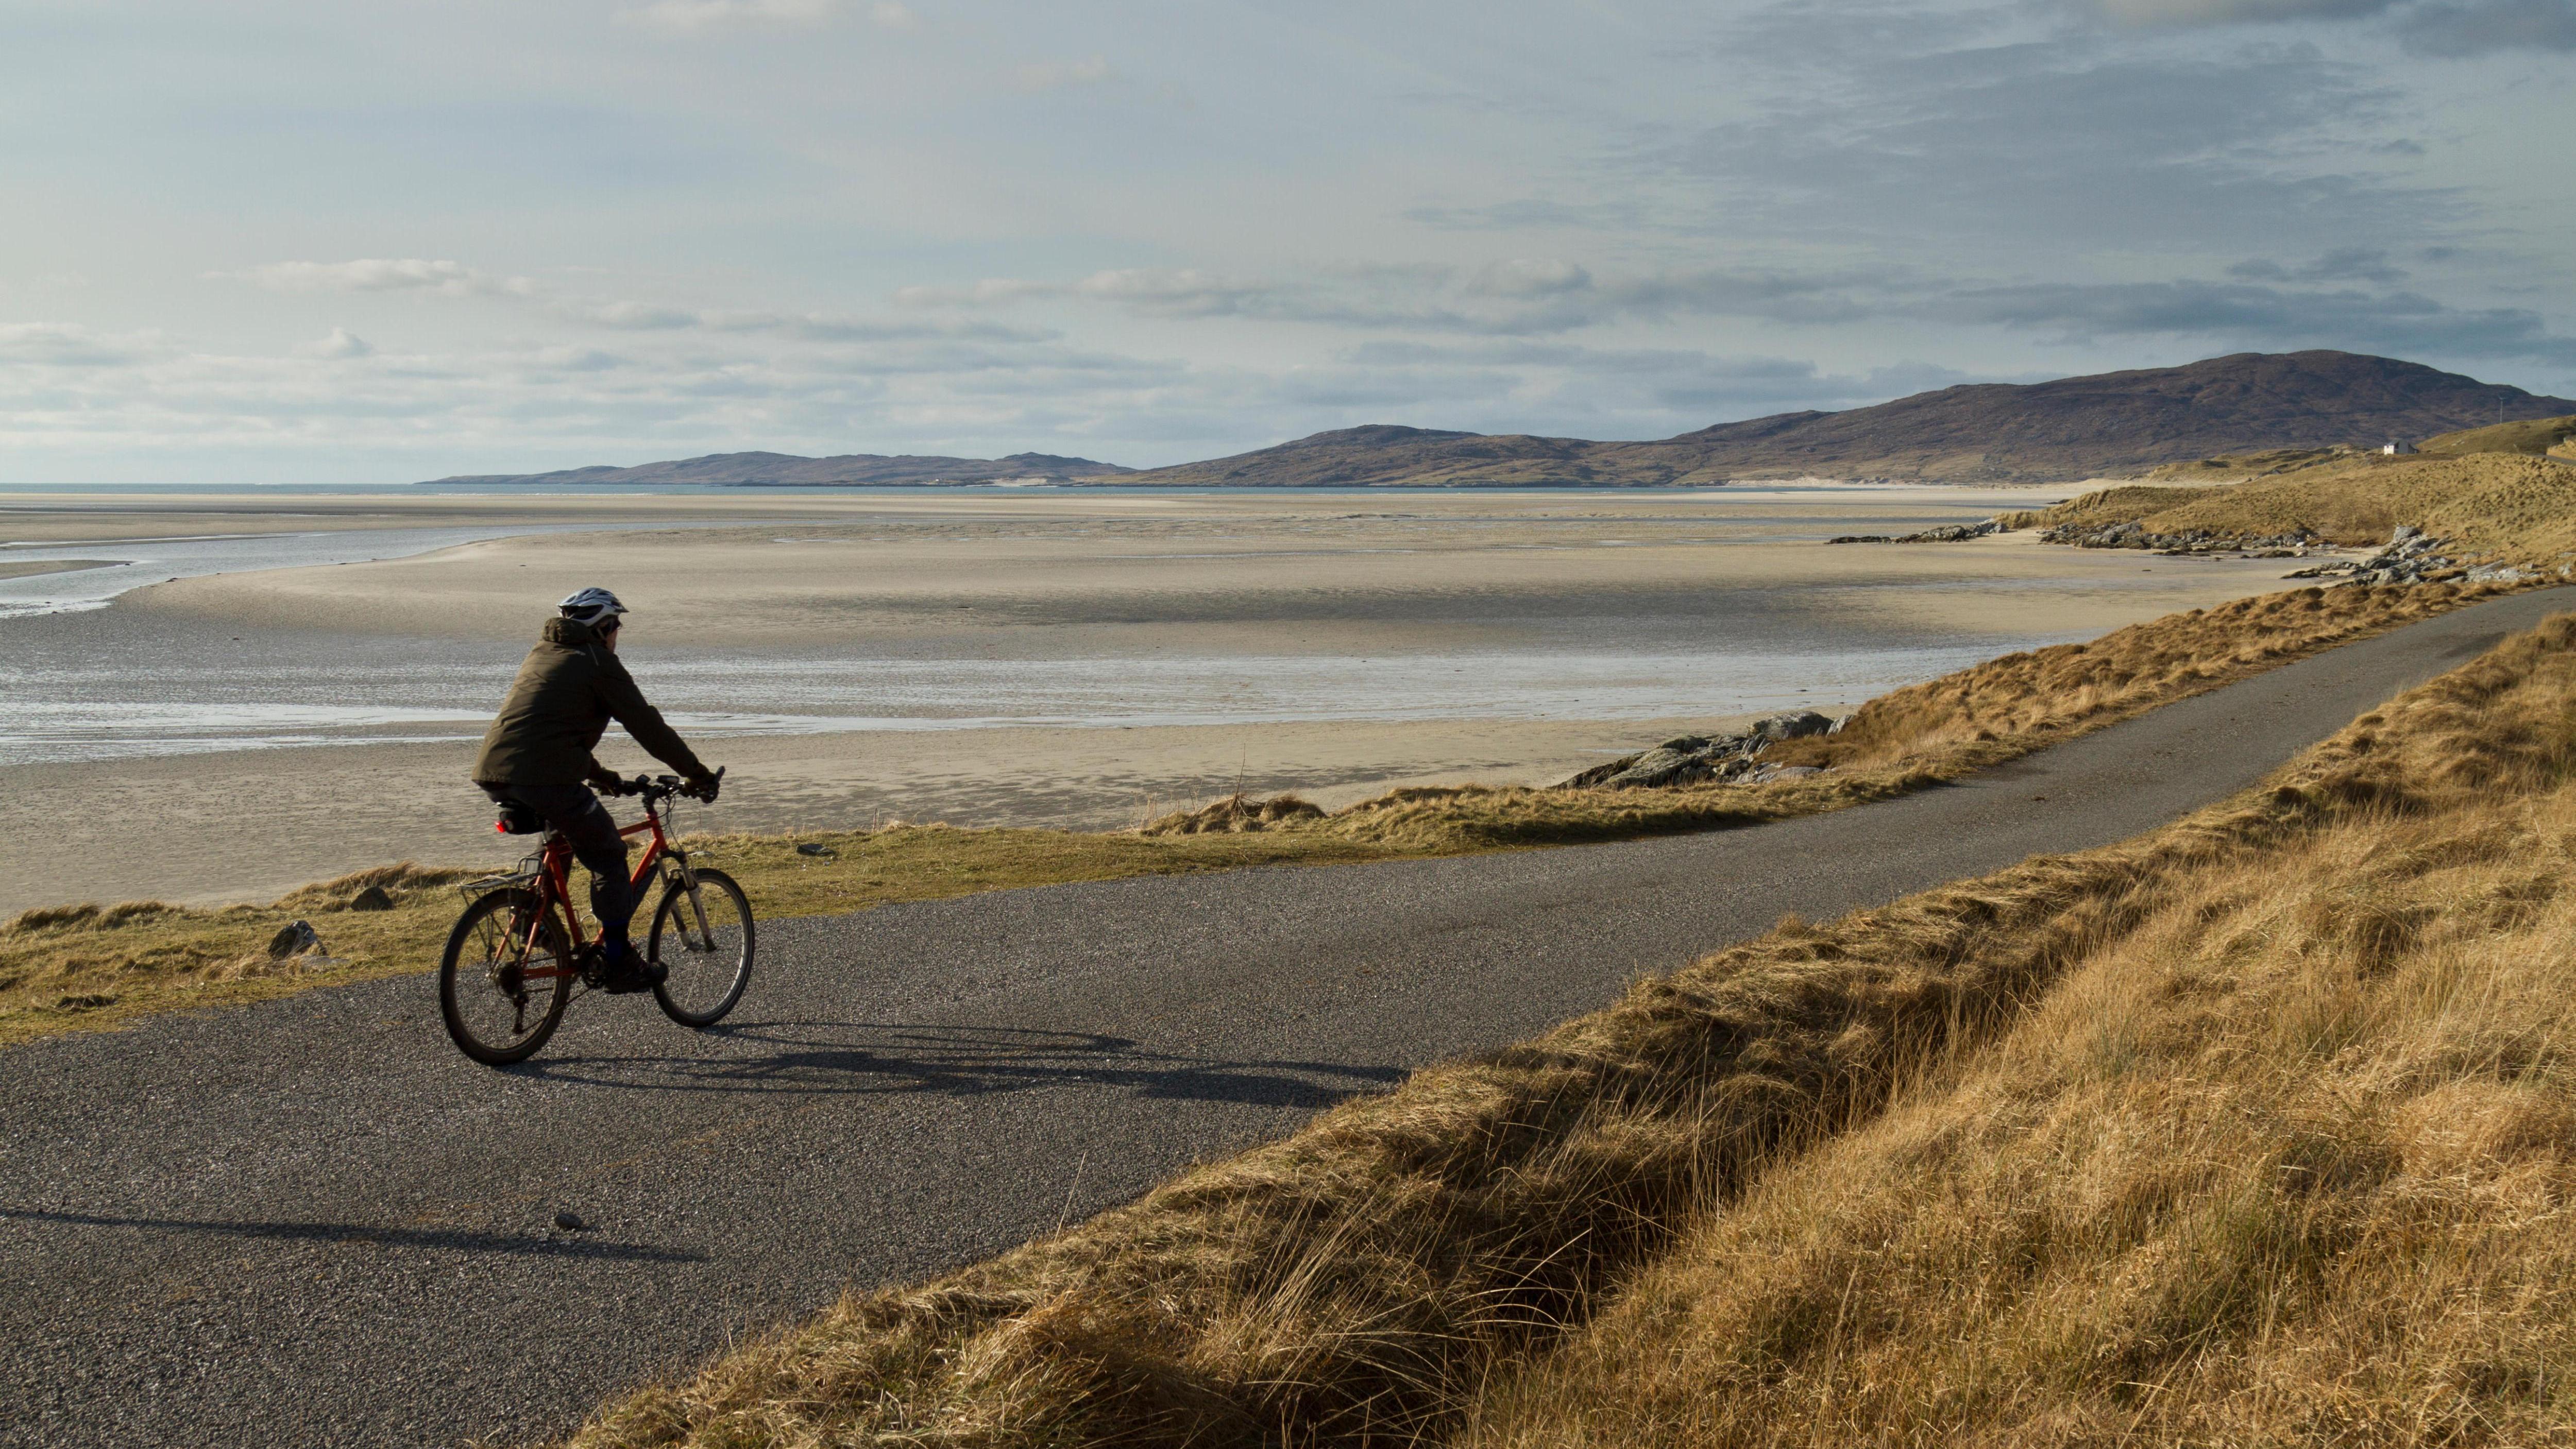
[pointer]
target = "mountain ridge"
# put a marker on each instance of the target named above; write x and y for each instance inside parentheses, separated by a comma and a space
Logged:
(2061, 430)
(2112, 424)
(789, 470)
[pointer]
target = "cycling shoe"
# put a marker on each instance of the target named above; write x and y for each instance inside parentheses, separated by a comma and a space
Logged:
(625, 972)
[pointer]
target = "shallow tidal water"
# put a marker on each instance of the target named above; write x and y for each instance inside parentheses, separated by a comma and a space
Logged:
(82, 693)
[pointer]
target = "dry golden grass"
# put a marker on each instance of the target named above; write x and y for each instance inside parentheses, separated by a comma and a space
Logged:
(1236, 814)
(2237, 467)
(2021, 702)
(2293, 1161)
(2536, 436)
(2500, 506)
(1398, 1262)
(89, 967)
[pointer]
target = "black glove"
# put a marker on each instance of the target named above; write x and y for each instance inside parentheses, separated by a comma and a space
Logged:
(608, 784)
(706, 786)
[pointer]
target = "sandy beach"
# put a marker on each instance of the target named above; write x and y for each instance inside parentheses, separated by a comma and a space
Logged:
(984, 657)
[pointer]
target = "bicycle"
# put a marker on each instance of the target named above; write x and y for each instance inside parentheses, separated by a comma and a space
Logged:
(517, 952)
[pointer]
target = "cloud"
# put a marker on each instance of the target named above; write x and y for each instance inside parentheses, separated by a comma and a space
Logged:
(2450, 28)
(1534, 215)
(1051, 75)
(2459, 30)
(342, 343)
(2239, 314)
(2022, 149)
(1520, 297)
(688, 17)
(64, 344)
(455, 279)
(411, 274)
(1529, 278)
(2343, 264)
(2350, 297)
(633, 316)
(1170, 292)
(894, 15)
(2234, 12)
(991, 292)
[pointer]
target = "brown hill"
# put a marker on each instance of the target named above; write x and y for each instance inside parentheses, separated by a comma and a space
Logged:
(786, 470)
(2112, 424)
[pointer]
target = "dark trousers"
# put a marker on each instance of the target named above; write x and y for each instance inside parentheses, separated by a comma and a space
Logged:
(586, 826)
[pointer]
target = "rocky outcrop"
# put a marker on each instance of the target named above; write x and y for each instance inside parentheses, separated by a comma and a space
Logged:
(2415, 557)
(2297, 543)
(1697, 759)
(2411, 557)
(1946, 533)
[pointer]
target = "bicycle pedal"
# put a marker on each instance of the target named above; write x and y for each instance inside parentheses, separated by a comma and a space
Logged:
(644, 977)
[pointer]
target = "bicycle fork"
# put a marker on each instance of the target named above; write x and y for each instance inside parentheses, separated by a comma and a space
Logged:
(705, 940)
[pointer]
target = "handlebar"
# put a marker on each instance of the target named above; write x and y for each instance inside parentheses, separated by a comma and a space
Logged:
(662, 787)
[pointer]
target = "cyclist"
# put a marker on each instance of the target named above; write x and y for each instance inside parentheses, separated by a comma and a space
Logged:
(538, 754)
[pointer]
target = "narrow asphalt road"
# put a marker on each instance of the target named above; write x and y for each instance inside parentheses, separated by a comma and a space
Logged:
(312, 1222)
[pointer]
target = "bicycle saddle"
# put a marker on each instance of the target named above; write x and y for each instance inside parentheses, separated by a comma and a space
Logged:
(518, 819)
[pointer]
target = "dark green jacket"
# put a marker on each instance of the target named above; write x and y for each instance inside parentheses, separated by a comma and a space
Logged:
(565, 695)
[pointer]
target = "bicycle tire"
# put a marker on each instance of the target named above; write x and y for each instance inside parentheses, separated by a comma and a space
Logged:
(480, 970)
(708, 968)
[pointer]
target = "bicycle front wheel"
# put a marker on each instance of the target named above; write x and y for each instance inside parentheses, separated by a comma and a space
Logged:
(505, 978)
(704, 940)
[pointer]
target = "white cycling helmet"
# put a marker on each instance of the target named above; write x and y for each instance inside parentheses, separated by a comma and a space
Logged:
(591, 606)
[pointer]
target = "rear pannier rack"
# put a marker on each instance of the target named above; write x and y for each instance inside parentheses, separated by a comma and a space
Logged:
(523, 878)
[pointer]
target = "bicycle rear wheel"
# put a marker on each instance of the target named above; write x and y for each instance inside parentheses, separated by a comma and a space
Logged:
(497, 1011)
(709, 958)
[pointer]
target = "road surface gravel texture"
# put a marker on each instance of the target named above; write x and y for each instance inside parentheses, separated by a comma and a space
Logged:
(312, 1222)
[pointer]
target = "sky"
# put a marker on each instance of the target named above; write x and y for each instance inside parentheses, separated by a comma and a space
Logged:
(278, 241)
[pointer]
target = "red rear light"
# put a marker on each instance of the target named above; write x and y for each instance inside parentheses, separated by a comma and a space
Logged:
(500, 827)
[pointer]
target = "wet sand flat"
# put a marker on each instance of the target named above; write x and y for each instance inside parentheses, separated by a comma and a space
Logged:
(1272, 572)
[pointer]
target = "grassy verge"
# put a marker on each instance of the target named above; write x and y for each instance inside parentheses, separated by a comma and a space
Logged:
(87, 967)
(2292, 1160)
(1407, 1265)
(91, 967)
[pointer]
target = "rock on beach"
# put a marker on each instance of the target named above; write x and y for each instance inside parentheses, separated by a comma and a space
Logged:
(1693, 759)
(1946, 533)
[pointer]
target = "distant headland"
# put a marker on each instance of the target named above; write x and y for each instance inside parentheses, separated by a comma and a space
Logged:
(786, 470)
(2108, 425)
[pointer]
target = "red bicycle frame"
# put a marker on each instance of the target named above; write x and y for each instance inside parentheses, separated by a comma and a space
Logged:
(554, 874)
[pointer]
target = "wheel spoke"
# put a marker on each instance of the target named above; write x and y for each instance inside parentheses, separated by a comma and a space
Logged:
(495, 1007)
